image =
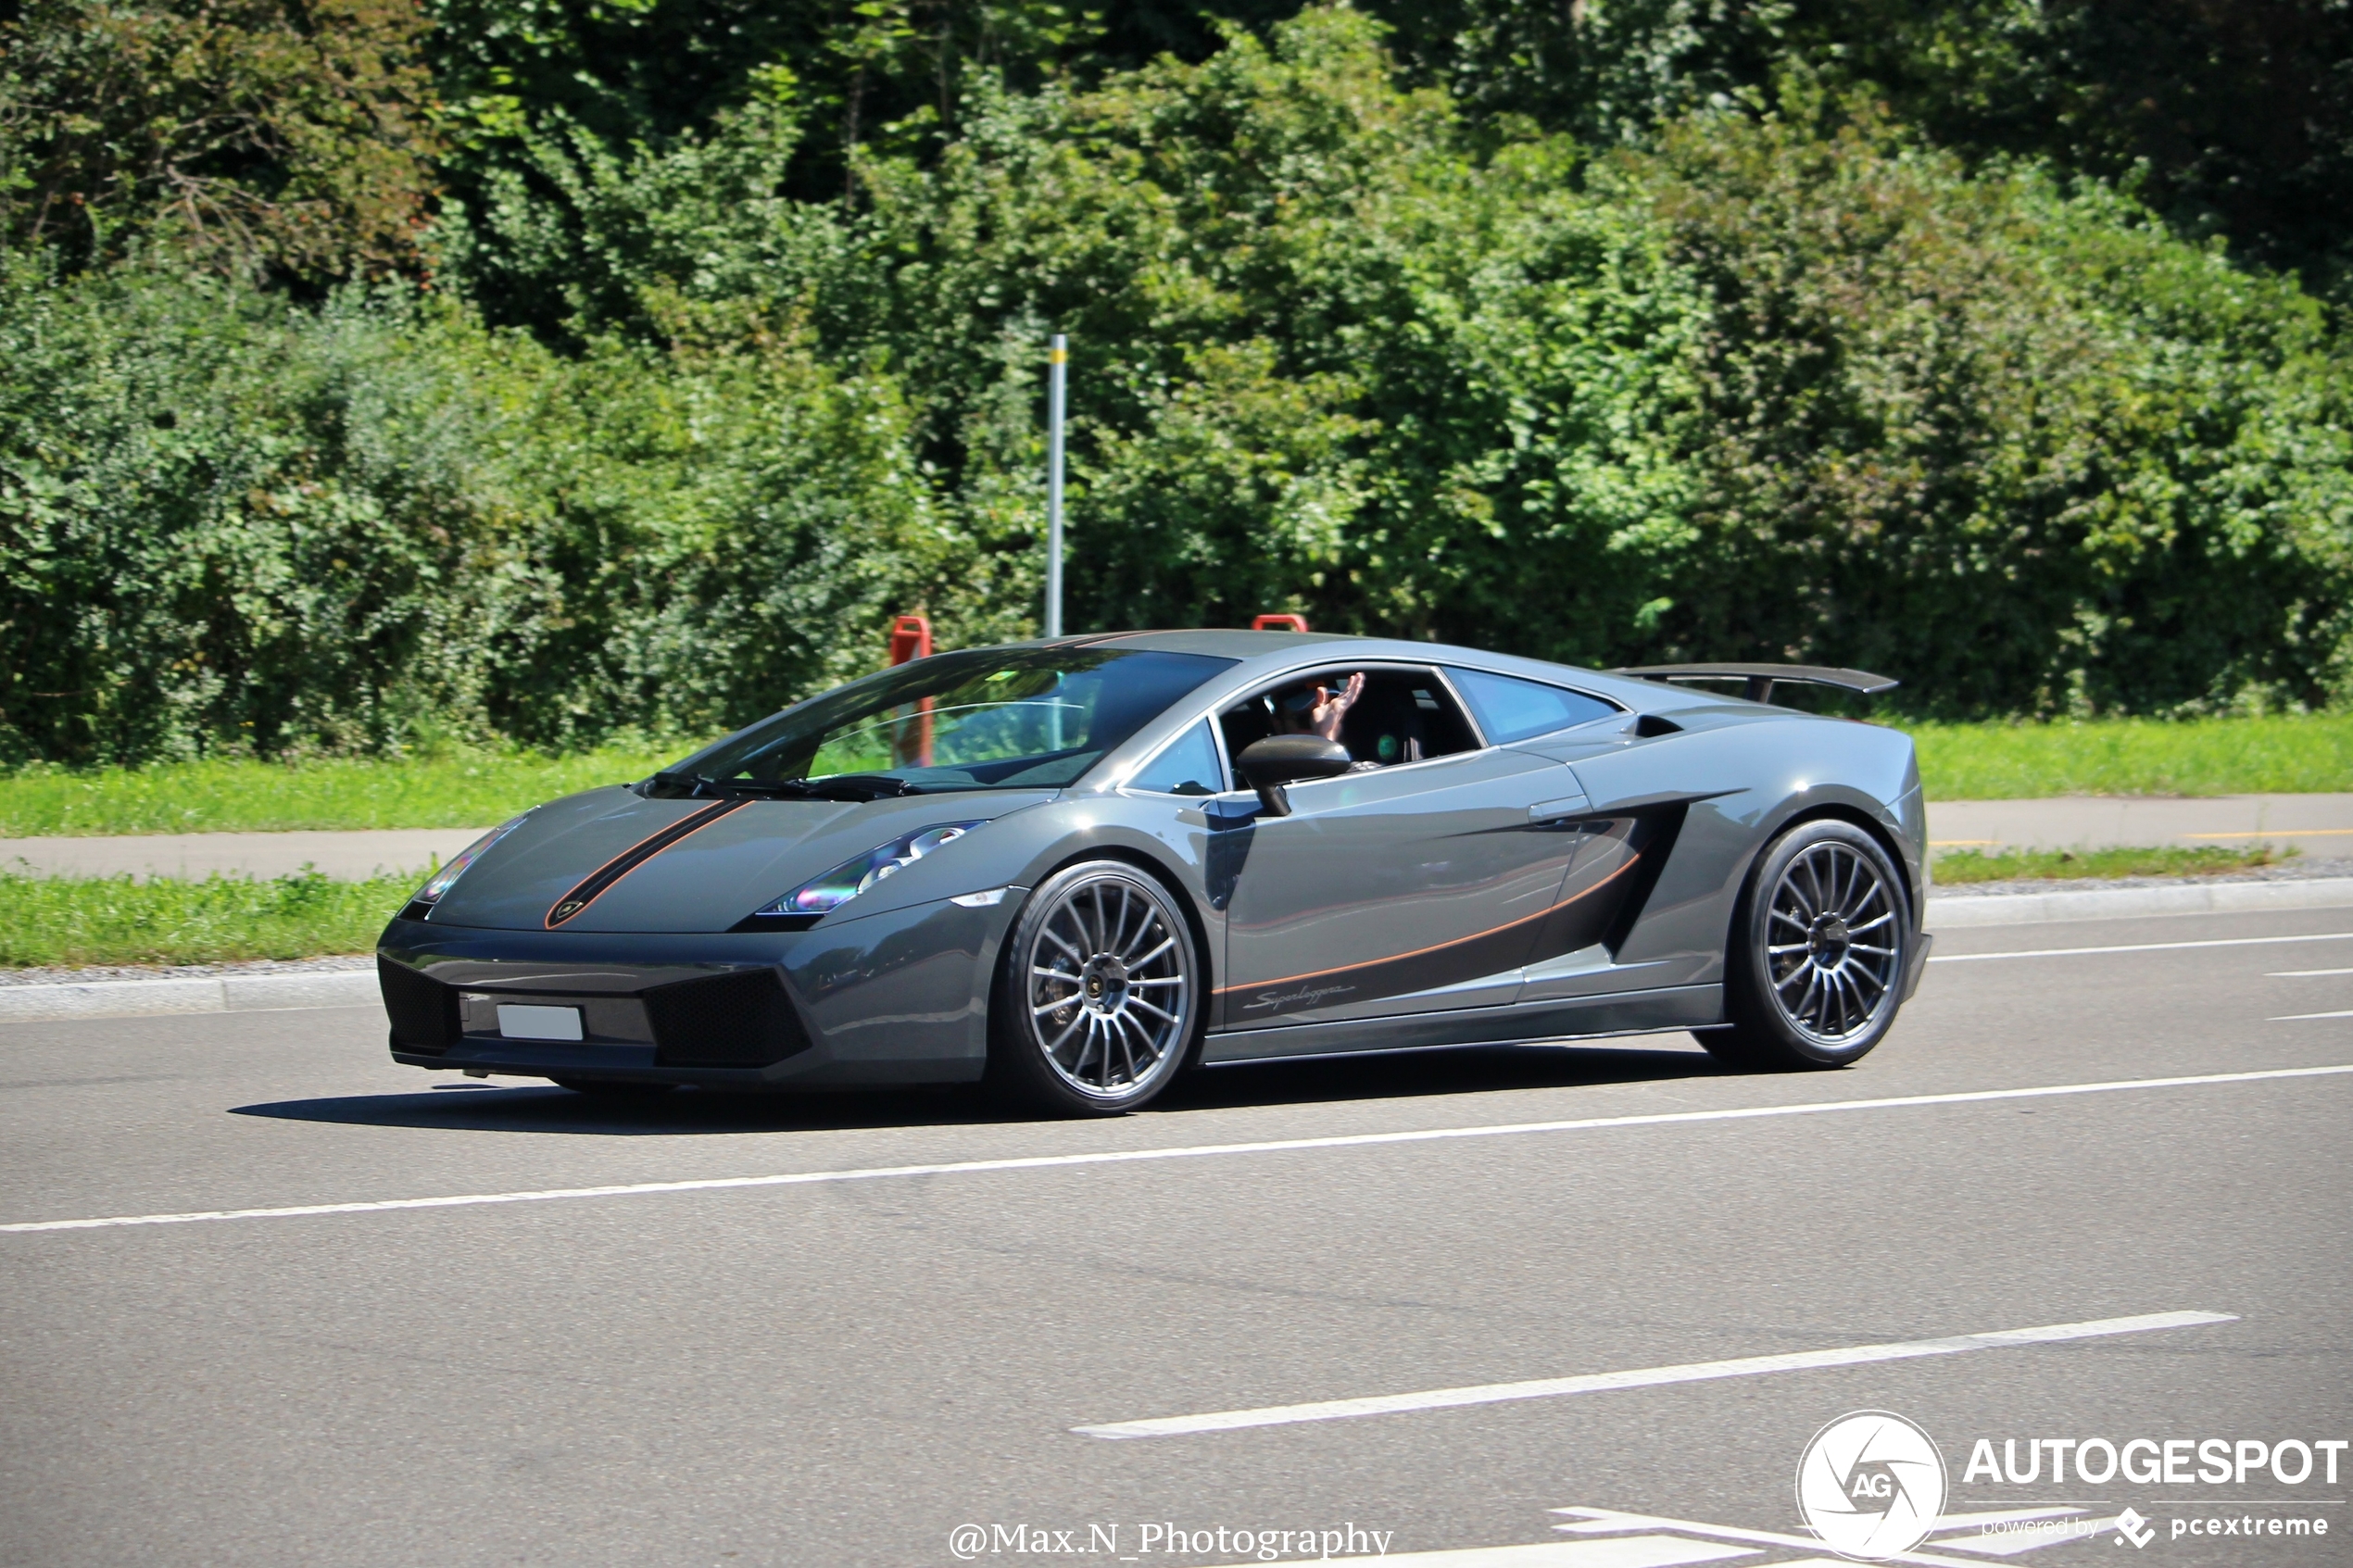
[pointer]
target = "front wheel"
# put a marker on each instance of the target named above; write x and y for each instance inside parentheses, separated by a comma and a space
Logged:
(1097, 1004)
(1818, 953)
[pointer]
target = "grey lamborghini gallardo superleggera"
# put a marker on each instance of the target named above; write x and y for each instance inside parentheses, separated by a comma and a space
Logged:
(1075, 869)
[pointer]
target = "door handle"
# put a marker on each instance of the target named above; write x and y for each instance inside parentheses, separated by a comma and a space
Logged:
(1553, 810)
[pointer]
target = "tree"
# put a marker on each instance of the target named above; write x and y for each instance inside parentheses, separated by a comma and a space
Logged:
(289, 139)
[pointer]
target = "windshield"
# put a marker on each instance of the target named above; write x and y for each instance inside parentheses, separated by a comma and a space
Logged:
(988, 719)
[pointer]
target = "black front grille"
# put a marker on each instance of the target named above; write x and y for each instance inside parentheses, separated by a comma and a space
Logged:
(741, 1020)
(423, 1011)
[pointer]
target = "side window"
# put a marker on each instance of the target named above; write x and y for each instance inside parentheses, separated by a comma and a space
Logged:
(1187, 766)
(1512, 709)
(1400, 716)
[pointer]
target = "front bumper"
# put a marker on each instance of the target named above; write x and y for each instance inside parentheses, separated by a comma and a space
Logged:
(894, 998)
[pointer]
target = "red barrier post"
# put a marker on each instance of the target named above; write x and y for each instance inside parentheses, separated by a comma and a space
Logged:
(911, 737)
(909, 638)
(1279, 621)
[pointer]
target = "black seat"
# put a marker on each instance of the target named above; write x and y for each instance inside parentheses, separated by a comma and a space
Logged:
(1386, 724)
(1244, 724)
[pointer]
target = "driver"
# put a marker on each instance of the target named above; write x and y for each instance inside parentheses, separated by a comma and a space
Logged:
(1314, 708)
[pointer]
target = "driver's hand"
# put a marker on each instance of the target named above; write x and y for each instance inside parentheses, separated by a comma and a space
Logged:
(1332, 706)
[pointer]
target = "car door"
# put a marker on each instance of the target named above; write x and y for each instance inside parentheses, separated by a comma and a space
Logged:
(1415, 886)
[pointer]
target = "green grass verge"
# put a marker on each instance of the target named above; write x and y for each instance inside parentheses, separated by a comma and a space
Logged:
(2295, 755)
(75, 920)
(1960, 866)
(475, 789)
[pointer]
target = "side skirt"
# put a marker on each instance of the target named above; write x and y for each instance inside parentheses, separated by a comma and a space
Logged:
(1627, 1013)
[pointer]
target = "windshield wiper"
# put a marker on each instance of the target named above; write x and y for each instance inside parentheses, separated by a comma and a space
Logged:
(838, 786)
(671, 785)
(695, 787)
(859, 786)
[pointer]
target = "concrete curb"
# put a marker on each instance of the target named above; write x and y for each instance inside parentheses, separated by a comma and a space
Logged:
(356, 987)
(1945, 914)
(205, 992)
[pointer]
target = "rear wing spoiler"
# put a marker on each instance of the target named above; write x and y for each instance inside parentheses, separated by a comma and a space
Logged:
(1760, 678)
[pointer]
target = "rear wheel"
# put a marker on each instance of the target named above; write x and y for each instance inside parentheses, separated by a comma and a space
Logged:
(1097, 1005)
(1818, 953)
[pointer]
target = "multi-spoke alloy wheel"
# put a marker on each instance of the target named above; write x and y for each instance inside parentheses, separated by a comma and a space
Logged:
(1100, 1007)
(1819, 954)
(1832, 967)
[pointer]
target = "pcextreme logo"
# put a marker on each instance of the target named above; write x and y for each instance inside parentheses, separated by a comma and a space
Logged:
(1872, 1484)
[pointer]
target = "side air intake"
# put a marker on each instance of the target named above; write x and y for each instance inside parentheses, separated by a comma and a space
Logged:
(740, 1019)
(423, 1011)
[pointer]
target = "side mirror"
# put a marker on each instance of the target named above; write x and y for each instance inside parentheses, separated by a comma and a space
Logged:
(1267, 765)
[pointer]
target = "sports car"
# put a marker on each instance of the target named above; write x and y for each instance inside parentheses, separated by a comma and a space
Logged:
(1075, 869)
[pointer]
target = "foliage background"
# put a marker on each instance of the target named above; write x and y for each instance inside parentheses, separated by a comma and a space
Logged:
(560, 371)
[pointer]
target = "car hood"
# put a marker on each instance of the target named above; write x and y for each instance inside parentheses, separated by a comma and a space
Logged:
(710, 879)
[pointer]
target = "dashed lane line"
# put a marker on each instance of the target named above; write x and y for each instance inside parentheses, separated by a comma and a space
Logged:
(1644, 1377)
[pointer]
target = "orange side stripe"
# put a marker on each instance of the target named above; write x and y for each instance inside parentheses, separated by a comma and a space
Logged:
(1631, 861)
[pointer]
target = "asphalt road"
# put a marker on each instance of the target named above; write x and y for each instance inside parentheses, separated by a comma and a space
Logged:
(844, 1372)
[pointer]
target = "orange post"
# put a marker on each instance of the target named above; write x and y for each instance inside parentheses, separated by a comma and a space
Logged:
(911, 638)
(911, 737)
(1279, 621)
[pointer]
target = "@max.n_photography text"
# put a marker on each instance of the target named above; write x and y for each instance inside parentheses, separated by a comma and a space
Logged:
(1133, 1541)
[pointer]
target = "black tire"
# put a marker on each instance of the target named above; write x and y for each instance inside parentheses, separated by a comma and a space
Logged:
(1821, 942)
(1100, 996)
(613, 1088)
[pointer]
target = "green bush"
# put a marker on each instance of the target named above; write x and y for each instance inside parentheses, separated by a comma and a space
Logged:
(1784, 384)
(2014, 444)
(228, 524)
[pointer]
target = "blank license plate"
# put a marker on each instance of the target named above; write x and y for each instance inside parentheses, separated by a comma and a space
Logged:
(539, 1024)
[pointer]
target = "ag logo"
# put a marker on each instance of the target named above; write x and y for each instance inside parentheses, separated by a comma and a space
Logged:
(1872, 1484)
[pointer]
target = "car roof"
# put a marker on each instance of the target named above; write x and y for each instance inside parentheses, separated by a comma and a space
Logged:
(1266, 653)
(1224, 643)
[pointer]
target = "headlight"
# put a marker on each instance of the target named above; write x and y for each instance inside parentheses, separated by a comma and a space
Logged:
(851, 878)
(431, 892)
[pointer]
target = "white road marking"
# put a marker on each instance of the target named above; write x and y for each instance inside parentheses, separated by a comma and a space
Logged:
(2139, 947)
(2305, 974)
(1643, 1377)
(2000, 1516)
(1624, 1551)
(1592, 1520)
(1195, 1151)
(2299, 1017)
(2016, 1543)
